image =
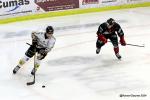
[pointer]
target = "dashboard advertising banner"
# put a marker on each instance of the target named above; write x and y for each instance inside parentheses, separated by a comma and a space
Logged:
(109, 2)
(100, 3)
(89, 3)
(137, 1)
(16, 8)
(53, 5)
(84, 2)
(13, 8)
(112, 2)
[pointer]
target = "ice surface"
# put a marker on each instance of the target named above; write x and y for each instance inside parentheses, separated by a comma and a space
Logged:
(72, 70)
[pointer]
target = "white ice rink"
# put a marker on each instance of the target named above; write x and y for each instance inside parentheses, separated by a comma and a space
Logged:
(72, 70)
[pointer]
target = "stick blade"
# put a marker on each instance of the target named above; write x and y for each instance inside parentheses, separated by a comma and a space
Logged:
(30, 83)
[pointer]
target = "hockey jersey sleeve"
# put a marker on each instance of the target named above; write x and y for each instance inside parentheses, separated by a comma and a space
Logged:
(119, 30)
(51, 44)
(121, 35)
(100, 30)
(34, 38)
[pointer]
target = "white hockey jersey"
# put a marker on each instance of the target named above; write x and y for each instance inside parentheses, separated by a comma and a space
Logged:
(43, 42)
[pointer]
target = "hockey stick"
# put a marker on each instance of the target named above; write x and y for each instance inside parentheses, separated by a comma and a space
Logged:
(133, 45)
(136, 45)
(32, 82)
(28, 44)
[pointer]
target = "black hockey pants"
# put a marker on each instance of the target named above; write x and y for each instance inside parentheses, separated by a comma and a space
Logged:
(113, 38)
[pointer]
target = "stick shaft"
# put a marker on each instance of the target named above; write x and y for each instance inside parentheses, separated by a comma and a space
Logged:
(133, 44)
(136, 45)
(31, 83)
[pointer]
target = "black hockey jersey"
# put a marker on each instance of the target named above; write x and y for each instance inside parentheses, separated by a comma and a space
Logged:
(103, 29)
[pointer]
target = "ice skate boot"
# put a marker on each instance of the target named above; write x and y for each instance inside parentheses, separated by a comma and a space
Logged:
(118, 56)
(16, 69)
(98, 50)
(35, 69)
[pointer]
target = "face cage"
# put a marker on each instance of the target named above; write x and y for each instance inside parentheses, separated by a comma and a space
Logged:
(49, 34)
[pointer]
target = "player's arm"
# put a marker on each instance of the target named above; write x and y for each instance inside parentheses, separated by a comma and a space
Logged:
(34, 38)
(49, 47)
(100, 36)
(121, 35)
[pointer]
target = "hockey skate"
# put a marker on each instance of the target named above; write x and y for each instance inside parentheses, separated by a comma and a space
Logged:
(118, 56)
(16, 69)
(98, 50)
(33, 71)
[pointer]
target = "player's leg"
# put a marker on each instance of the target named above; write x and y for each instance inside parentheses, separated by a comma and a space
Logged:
(99, 44)
(114, 40)
(38, 59)
(29, 54)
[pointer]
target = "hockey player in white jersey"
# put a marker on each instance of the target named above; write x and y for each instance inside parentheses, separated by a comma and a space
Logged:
(42, 43)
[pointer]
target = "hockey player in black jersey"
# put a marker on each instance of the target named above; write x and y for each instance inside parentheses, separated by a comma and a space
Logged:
(42, 43)
(109, 30)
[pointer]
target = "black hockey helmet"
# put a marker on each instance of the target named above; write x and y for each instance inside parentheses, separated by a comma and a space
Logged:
(49, 29)
(110, 21)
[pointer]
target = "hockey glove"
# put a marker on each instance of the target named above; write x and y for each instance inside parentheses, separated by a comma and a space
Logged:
(34, 39)
(33, 35)
(43, 52)
(122, 41)
(102, 38)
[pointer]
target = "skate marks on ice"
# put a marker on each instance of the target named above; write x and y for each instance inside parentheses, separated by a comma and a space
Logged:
(101, 74)
(25, 32)
(87, 25)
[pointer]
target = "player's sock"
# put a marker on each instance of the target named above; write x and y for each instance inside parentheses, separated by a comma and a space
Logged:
(35, 69)
(116, 50)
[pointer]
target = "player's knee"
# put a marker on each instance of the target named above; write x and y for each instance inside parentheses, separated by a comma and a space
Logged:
(31, 52)
(41, 56)
(115, 45)
(99, 44)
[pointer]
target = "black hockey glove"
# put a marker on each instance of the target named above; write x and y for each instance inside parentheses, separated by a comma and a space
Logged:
(43, 52)
(34, 39)
(34, 43)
